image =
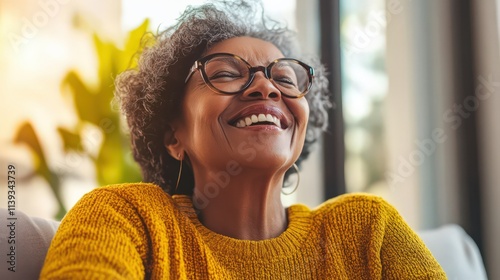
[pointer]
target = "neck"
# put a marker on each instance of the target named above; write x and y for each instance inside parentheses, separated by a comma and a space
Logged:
(247, 206)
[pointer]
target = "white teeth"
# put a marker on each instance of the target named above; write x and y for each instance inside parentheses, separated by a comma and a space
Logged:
(277, 121)
(247, 121)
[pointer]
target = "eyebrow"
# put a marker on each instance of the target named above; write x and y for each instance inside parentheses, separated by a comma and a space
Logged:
(229, 59)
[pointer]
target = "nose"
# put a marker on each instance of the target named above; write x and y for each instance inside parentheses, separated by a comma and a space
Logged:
(261, 88)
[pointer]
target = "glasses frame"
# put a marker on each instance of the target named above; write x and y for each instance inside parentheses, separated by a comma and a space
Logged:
(252, 70)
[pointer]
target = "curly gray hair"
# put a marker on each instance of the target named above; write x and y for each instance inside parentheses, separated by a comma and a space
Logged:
(150, 95)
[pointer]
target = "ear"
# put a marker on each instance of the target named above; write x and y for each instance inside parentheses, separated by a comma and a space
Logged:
(172, 143)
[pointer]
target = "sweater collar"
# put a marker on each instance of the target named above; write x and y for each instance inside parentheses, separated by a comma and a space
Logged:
(287, 243)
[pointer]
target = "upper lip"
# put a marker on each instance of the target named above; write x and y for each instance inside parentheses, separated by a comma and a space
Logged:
(260, 109)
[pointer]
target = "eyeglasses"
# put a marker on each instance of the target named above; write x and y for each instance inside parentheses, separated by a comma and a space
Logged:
(230, 74)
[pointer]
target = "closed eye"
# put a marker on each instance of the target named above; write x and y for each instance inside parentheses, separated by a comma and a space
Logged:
(225, 75)
(285, 81)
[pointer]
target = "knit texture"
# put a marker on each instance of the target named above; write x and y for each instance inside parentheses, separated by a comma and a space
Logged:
(137, 231)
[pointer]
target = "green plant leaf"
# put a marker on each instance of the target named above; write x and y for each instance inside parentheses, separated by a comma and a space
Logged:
(136, 41)
(83, 99)
(26, 135)
(71, 140)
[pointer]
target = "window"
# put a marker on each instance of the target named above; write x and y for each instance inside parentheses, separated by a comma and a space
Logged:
(364, 87)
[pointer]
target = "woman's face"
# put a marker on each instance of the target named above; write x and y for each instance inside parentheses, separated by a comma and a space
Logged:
(211, 132)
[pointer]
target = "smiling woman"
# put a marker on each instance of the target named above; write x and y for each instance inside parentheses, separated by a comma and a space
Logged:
(208, 123)
(220, 108)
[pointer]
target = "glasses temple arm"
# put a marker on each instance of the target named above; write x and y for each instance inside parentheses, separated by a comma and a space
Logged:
(191, 71)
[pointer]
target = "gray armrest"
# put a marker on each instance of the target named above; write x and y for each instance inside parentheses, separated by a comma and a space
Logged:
(455, 250)
(32, 239)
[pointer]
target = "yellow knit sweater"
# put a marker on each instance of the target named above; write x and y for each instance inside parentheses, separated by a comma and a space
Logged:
(137, 231)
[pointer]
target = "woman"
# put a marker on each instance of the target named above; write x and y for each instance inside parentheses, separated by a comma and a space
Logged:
(218, 113)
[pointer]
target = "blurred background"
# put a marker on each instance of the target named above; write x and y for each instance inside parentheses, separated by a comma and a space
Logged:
(416, 92)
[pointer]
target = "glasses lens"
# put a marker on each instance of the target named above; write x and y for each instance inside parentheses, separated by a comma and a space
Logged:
(227, 73)
(290, 77)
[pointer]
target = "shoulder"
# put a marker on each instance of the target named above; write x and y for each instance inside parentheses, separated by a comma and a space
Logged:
(133, 207)
(129, 192)
(359, 202)
(370, 228)
(356, 208)
(116, 222)
(127, 200)
(130, 189)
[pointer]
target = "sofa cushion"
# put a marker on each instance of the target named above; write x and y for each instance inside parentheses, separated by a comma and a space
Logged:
(455, 251)
(30, 238)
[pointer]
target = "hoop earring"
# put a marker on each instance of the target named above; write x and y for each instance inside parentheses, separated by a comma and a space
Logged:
(180, 172)
(298, 180)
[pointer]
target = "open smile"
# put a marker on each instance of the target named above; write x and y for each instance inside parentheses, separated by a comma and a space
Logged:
(260, 115)
(260, 119)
